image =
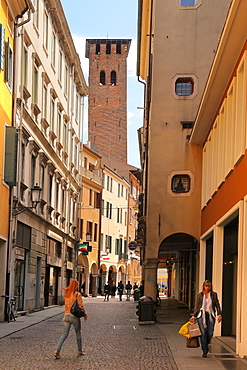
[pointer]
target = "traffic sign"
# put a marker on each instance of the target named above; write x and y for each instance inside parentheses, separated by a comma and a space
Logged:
(132, 245)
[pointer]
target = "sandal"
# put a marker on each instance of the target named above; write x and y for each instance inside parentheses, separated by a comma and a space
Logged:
(57, 354)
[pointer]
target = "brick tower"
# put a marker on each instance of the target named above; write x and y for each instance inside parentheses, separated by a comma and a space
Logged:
(107, 102)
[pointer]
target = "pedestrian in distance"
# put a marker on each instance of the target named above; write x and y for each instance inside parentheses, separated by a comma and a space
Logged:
(207, 304)
(113, 290)
(135, 286)
(107, 289)
(120, 289)
(69, 319)
(128, 288)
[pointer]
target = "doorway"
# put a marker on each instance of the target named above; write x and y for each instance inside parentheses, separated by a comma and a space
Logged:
(229, 290)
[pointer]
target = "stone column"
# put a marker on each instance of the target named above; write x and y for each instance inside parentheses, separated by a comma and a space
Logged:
(150, 280)
(94, 285)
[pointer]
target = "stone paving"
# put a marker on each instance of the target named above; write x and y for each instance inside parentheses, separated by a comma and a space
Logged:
(112, 339)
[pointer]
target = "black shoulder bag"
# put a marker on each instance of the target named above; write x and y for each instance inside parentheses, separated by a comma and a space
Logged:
(76, 310)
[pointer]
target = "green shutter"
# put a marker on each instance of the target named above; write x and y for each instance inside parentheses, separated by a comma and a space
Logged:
(10, 163)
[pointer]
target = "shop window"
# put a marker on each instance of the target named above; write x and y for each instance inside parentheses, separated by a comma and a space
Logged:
(184, 86)
(102, 78)
(180, 184)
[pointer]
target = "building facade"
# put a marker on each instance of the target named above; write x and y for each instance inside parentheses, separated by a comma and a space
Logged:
(12, 13)
(174, 62)
(90, 220)
(220, 130)
(107, 105)
(50, 87)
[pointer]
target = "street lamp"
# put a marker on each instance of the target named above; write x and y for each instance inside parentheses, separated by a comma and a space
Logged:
(35, 198)
(88, 237)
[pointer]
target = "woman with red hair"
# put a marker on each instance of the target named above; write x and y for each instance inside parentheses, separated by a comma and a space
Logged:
(69, 319)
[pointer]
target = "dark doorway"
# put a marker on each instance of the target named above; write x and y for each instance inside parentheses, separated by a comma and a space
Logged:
(209, 259)
(229, 291)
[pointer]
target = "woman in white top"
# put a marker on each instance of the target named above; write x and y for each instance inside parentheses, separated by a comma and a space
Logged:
(207, 304)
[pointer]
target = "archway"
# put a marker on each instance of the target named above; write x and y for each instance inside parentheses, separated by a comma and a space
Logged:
(121, 275)
(102, 279)
(83, 273)
(112, 274)
(177, 253)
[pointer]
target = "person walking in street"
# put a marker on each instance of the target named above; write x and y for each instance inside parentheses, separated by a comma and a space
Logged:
(128, 288)
(69, 319)
(120, 289)
(113, 290)
(207, 304)
(107, 289)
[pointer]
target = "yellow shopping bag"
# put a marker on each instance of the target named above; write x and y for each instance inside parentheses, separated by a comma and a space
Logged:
(184, 330)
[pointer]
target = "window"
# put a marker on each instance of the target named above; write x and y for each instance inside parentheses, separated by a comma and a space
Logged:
(118, 49)
(77, 108)
(44, 102)
(113, 78)
(50, 189)
(24, 66)
(66, 80)
(58, 249)
(184, 86)
(65, 139)
(102, 78)
(119, 191)
(97, 51)
(102, 207)
(42, 179)
(60, 65)
(33, 167)
(53, 50)
(35, 83)
(45, 35)
(22, 161)
(90, 197)
(36, 13)
(108, 48)
(187, 2)
(69, 253)
(59, 125)
(57, 195)
(52, 118)
(95, 237)
(180, 184)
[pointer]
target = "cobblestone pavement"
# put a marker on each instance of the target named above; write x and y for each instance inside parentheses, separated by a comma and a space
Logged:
(112, 339)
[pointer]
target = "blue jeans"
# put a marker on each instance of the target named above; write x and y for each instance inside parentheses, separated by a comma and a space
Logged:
(69, 320)
(207, 332)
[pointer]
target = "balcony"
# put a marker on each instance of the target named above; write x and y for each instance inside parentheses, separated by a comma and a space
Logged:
(90, 175)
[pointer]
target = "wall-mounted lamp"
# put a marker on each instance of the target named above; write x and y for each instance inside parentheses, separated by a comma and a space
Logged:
(88, 236)
(35, 198)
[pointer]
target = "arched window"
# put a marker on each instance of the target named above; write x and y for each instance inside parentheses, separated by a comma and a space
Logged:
(113, 78)
(102, 78)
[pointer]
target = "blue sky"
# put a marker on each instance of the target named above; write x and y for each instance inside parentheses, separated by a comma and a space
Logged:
(115, 19)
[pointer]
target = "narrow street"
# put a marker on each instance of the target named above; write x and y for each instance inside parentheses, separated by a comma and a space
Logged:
(112, 338)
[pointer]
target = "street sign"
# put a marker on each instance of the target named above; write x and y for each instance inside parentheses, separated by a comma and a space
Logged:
(132, 245)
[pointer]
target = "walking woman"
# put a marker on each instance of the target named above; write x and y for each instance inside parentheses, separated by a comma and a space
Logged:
(207, 304)
(70, 296)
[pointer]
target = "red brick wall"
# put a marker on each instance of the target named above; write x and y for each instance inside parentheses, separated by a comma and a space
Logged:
(107, 112)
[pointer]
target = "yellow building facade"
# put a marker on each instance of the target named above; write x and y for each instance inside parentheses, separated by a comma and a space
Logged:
(9, 11)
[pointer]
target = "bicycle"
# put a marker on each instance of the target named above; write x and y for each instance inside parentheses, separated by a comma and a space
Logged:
(11, 309)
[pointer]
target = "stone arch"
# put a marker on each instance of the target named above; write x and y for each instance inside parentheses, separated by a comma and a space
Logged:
(121, 274)
(112, 274)
(177, 253)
